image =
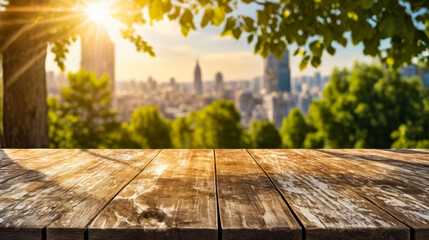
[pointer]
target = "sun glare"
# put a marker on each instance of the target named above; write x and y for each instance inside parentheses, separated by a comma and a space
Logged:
(98, 12)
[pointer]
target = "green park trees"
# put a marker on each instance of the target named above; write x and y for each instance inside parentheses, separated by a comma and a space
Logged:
(263, 134)
(84, 118)
(365, 107)
(316, 27)
(215, 126)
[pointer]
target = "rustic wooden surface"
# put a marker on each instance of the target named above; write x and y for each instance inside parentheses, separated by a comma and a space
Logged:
(399, 184)
(66, 195)
(326, 206)
(174, 198)
(214, 194)
(250, 206)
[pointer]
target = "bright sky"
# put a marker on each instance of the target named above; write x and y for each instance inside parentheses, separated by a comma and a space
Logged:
(176, 55)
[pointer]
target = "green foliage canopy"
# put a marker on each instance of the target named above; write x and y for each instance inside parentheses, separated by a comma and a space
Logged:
(264, 134)
(215, 126)
(147, 129)
(367, 107)
(294, 130)
(84, 118)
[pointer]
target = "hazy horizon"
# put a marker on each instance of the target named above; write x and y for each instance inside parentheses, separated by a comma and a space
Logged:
(176, 56)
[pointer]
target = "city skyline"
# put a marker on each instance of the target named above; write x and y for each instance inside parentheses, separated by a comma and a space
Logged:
(235, 59)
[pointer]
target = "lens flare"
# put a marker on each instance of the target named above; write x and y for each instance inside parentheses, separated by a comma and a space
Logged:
(98, 12)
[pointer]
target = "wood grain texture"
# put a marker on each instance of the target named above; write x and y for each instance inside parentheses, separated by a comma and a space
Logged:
(67, 195)
(13, 156)
(173, 198)
(21, 166)
(250, 206)
(401, 154)
(327, 207)
(398, 184)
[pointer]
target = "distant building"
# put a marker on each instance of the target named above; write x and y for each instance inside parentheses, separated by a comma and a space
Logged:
(198, 84)
(277, 74)
(409, 71)
(425, 79)
(277, 106)
(98, 52)
(317, 80)
(172, 82)
(283, 79)
(256, 84)
(218, 84)
(152, 83)
(304, 99)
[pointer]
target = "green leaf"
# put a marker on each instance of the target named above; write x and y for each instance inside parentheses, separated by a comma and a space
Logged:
(366, 4)
(330, 50)
(250, 38)
(315, 61)
(207, 17)
(175, 14)
(317, 48)
(219, 16)
(249, 23)
(304, 62)
(387, 25)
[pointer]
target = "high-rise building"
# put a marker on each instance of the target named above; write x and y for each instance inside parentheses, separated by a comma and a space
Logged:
(304, 99)
(218, 84)
(198, 84)
(317, 80)
(277, 106)
(173, 82)
(277, 73)
(283, 79)
(256, 84)
(98, 52)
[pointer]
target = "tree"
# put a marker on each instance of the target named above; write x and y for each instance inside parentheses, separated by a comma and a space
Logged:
(264, 135)
(294, 130)
(413, 134)
(362, 107)
(181, 133)
(315, 26)
(85, 114)
(147, 129)
(216, 126)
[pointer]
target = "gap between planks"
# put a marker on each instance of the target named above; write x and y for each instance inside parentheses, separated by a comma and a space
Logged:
(219, 223)
(120, 190)
(281, 195)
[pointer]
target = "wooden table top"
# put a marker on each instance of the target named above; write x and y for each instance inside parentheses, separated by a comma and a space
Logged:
(214, 194)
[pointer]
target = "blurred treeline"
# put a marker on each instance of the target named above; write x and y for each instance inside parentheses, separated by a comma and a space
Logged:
(365, 107)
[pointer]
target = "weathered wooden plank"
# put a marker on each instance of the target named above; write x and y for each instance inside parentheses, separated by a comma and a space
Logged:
(397, 184)
(11, 156)
(67, 195)
(21, 166)
(403, 155)
(326, 206)
(173, 198)
(250, 206)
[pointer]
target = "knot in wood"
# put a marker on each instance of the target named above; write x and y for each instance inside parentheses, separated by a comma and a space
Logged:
(154, 213)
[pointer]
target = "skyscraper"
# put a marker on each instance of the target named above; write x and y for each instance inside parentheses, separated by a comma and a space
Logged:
(98, 52)
(277, 73)
(218, 82)
(198, 84)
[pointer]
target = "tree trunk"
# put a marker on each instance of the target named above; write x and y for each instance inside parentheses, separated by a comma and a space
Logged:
(25, 119)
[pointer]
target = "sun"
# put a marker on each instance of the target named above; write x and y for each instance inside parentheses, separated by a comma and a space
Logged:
(98, 12)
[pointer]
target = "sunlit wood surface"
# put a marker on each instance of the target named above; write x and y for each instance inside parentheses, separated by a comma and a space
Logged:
(214, 194)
